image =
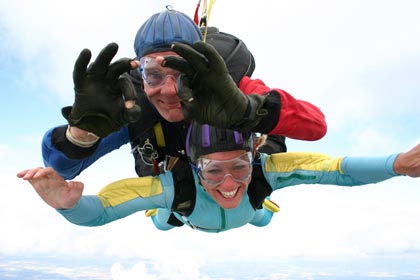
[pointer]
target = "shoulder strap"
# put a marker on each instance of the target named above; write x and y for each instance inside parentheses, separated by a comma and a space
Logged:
(160, 138)
(258, 188)
(185, 191)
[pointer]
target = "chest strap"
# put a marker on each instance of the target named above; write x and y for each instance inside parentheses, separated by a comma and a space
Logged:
(258, 188)
(184, 193)
(160, 138)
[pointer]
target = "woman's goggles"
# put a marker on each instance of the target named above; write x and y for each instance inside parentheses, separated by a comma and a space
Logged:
(214, 172)
(153, 73)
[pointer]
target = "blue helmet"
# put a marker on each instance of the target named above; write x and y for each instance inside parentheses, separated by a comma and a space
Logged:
(162, 29)
(203, 139)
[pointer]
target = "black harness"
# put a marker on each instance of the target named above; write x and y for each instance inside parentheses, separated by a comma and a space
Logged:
(185, 190)
(154, 140)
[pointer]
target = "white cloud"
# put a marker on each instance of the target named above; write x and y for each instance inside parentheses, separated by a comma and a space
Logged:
(138, 271)
(166, 267)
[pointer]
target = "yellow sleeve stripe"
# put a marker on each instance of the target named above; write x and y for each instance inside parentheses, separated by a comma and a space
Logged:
(271, 206)
(127, 189)
(287, 162)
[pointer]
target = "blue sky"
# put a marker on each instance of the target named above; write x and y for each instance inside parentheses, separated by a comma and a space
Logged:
(359, 61)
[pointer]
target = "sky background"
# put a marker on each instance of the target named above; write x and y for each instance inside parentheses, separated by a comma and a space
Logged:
(359, 61)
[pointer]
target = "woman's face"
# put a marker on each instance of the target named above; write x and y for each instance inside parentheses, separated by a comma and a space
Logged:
(160, 85)
(225, 176)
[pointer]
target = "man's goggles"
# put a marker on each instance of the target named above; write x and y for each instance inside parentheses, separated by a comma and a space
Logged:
(214, 172)
(153, 73)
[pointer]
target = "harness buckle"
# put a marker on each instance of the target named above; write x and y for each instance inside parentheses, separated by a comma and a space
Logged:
(147, 152)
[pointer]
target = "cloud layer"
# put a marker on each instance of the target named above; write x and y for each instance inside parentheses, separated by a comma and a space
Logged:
(358, 61)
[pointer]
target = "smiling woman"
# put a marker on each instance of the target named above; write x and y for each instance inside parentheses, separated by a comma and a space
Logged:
(219, 193)
(223, 161)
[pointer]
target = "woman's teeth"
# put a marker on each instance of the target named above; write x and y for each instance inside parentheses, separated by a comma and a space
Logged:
(229, 194)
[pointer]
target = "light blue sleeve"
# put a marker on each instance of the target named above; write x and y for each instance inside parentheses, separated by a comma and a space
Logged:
(96, 210)
(369, 170)
(262, 217)
(290, 169)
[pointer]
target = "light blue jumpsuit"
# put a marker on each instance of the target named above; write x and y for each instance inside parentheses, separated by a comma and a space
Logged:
(122, 198)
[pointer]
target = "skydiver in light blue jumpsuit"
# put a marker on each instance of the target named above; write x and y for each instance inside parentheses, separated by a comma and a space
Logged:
(223, 163)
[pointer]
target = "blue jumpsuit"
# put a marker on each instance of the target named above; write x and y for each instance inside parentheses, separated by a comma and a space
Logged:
(122, 198)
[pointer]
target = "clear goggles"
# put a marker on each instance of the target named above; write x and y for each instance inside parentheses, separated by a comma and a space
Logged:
(214, 172)
(154, 74)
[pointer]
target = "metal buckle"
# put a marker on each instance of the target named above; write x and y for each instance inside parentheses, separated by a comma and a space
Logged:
(146, 152)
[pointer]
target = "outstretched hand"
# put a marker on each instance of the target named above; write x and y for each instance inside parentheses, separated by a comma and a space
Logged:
(101, 93)
(52, 188)
(408, 163)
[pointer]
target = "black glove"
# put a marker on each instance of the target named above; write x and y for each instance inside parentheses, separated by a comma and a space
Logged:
(100, 93)
(207, 91)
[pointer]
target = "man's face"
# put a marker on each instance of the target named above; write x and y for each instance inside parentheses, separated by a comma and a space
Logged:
(160, 85)
(225, 176)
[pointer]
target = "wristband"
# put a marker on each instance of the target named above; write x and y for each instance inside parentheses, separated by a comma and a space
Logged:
(80, 143)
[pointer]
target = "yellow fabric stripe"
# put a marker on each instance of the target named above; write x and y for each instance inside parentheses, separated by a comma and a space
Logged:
(287, 162)
(124, 190)
(160, 139)
(271, 206)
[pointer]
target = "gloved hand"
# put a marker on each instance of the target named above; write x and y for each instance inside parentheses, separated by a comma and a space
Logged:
(101, 92)
(207, 91)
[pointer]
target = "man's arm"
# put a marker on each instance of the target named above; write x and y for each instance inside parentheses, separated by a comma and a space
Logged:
(69, 159)
(209, 95)
(287, 115)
